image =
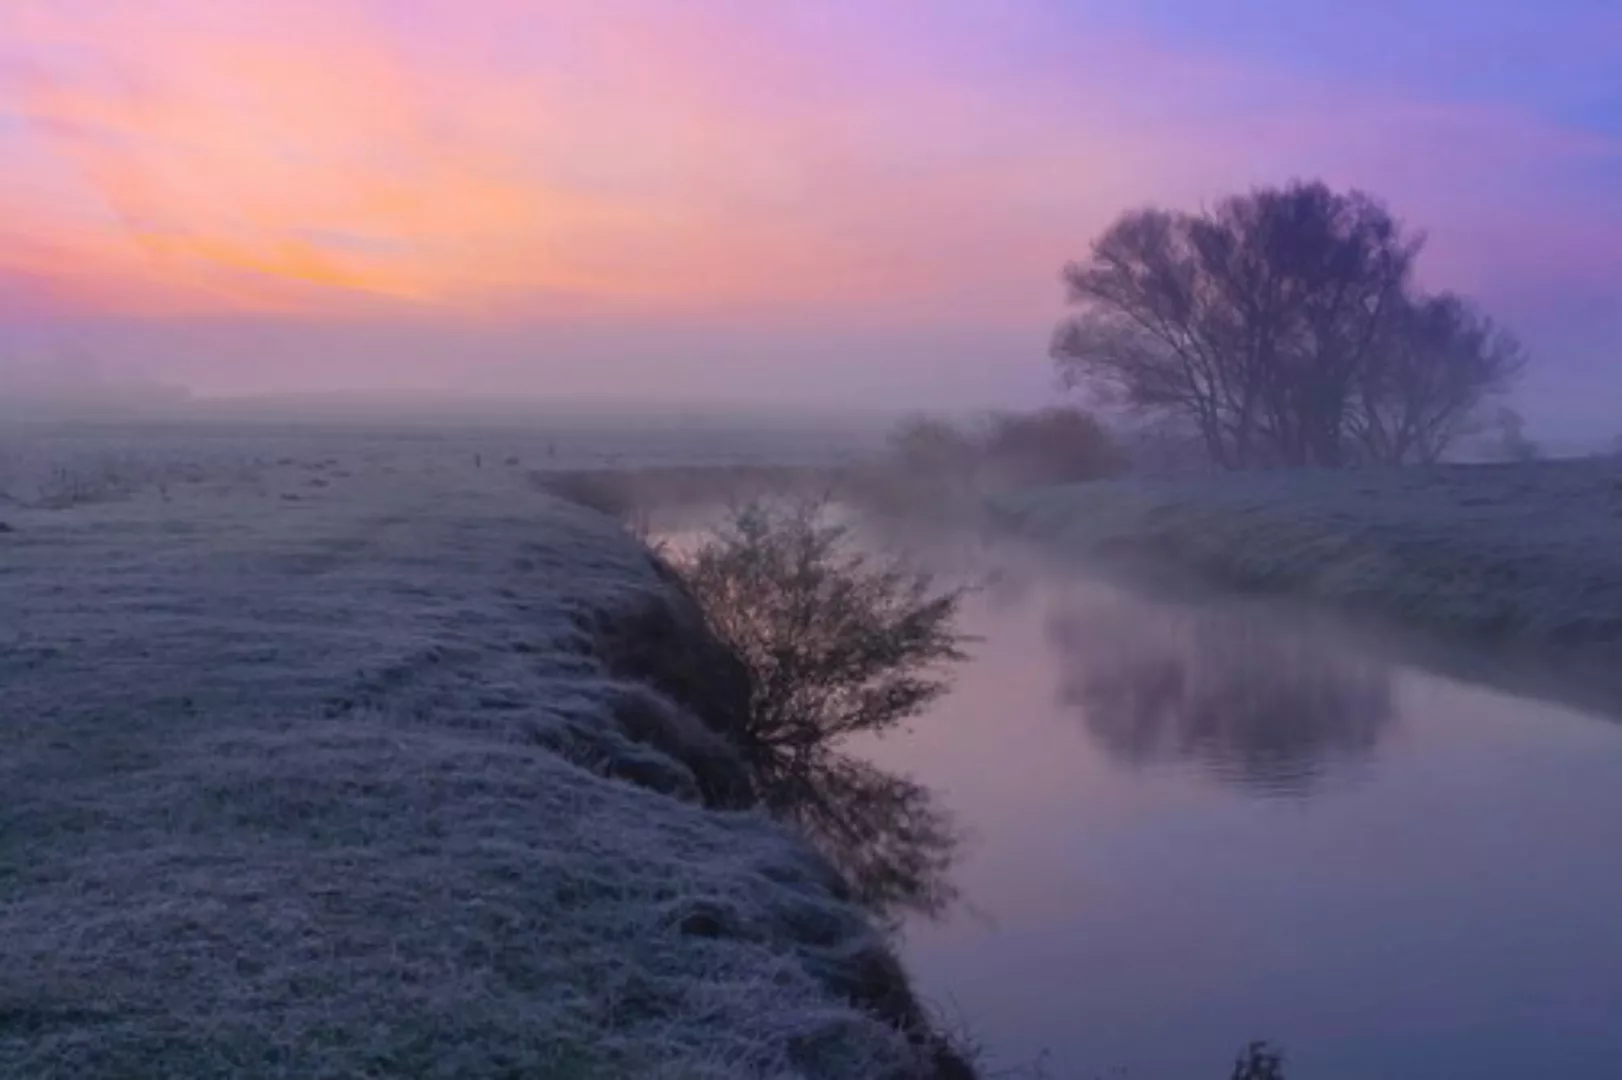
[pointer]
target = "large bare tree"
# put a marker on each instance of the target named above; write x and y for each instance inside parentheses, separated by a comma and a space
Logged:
(1282, 325)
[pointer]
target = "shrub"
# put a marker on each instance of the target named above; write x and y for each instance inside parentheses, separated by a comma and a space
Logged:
(1052, 446)
(933, 466)
(837, 642)
(1259, 1061)
(930, 446)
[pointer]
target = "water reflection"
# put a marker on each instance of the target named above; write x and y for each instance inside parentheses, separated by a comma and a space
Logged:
(888, 836)
(1472, 858)
(1272, 710)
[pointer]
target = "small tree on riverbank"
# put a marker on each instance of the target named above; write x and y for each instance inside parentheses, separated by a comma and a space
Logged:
(838, 642)
(841, 642)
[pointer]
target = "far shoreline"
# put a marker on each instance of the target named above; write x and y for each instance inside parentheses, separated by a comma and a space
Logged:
(1472, 571)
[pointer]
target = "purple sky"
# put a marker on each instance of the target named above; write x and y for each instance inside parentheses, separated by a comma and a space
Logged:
(795, 202)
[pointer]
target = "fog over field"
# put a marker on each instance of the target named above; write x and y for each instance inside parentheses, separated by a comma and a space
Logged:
(810, 539)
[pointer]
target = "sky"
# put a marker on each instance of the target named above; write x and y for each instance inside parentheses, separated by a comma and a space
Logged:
(804, 201)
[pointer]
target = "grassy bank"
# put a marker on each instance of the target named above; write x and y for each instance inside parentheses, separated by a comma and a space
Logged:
(673, 495)
(1524, 555)
(337, 771)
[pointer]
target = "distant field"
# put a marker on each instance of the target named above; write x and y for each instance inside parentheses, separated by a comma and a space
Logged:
(34, 456)
(668, 494)
(1526, 554)
(326, 754)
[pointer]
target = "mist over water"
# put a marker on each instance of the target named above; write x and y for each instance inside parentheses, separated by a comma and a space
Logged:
(1266, 710)
(1194, 824)
(1241, 295)
(1139, 831)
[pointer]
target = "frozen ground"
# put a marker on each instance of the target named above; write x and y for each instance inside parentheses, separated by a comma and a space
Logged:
(312, 765)
(32, 454)
(1520, 554)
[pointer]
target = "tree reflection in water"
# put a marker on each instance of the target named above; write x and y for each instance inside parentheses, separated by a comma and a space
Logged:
(888, 836)
(835, 641)
(1266, 708)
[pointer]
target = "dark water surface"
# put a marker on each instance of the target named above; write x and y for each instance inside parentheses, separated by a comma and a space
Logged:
(1194, 826)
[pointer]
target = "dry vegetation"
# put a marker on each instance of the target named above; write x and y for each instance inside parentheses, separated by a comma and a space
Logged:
(834, 642)
(935, 471)
(930, 468)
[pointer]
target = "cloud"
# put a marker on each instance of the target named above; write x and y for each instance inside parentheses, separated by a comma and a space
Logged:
(872, 164)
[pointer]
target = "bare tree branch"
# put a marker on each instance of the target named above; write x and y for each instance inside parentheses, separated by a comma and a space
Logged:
(1283, 326)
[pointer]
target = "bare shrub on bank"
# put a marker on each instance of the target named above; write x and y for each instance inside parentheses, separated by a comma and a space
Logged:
(1058, 445)
(838, 642)
(1258, 1061)
(934, 467)
(841, 641)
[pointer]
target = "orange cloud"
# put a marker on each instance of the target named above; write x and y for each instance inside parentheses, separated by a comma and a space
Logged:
(318, 156)
(226, 153)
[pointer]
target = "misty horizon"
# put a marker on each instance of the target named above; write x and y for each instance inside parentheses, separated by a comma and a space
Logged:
(685, 208)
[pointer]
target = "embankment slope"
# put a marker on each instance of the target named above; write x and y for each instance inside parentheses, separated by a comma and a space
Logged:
(360, 782)
(1525, 556)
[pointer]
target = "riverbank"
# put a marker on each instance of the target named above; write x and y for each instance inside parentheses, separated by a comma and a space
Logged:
(324, 770)
(1520, 557)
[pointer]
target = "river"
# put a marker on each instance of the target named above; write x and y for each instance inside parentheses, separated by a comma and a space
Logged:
(1194, 824)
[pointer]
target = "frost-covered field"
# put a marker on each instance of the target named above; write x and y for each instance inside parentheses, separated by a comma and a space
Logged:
(56, 464)
(1527, 553)
(312, 764)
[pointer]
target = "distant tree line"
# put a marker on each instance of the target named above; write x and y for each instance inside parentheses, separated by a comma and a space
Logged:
(932, 463)
(1281, 327)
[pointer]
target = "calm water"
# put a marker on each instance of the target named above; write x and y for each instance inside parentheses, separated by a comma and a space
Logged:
(1194, 826)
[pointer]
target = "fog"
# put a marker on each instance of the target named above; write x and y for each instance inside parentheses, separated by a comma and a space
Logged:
(343, 197)
(680, 367)
(1195, 615)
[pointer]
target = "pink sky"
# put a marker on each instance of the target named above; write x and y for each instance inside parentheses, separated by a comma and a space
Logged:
(717, 198)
